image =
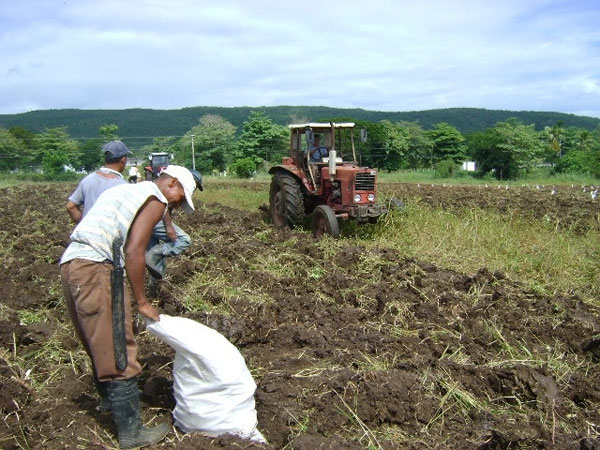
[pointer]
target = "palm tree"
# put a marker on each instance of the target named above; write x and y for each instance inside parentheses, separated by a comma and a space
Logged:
(556, 135)
(585, 140)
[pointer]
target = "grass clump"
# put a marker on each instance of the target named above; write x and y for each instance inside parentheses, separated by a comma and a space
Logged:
(47, 362)
(375, 363)
(559, 362)
(300, 424)
(28, 317)
(524, 249)
(206, 293)
(362, 432)
(454, 398)
(279, 265)
(213, 293)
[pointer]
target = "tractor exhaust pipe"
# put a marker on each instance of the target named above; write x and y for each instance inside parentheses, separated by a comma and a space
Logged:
(332, 158)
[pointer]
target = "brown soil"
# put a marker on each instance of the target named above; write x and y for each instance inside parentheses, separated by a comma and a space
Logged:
(372, 350)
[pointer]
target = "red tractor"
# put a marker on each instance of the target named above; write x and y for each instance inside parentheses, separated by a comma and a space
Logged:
(158, 161)
(321, 177)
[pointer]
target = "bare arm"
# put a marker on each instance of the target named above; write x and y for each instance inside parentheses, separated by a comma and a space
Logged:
(135, 250)
(74, 211)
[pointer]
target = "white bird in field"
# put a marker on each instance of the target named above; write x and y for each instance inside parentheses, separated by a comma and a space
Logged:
(537, 186)
(594, 194)
(554, 190)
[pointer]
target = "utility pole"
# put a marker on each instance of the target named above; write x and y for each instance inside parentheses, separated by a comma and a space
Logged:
(193, 156)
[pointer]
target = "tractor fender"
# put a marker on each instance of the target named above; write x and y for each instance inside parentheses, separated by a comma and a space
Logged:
(294, 171)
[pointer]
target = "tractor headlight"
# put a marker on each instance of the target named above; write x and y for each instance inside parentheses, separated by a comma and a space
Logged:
(371, 197)
(356, 198)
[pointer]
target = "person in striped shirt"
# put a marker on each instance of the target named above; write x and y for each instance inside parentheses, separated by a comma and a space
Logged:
(127, 212)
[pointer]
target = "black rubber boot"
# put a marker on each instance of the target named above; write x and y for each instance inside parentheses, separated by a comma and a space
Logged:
(125, 404)
(104, 404)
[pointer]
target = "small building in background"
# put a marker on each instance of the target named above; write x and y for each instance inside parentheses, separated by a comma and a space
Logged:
(469, 166)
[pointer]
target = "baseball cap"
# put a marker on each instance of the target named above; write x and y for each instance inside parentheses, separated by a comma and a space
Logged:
(197, 178)
(116, 149)
(186, 179)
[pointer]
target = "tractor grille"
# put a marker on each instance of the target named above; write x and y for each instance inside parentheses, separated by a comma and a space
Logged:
(364, 181)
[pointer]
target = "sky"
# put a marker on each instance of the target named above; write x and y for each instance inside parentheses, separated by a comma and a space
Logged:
(396, 55)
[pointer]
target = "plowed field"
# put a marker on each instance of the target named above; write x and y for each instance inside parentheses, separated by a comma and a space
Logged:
(352, 347)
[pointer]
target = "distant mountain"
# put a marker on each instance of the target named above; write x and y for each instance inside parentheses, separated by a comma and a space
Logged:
(150, 123)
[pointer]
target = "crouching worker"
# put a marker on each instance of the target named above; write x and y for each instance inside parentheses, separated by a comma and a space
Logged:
(167, 240)
(91, 276)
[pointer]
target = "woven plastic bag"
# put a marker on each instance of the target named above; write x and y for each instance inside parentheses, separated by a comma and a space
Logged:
(212, 386)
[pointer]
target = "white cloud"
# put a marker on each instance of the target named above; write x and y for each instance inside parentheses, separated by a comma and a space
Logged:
(384, 55)
(590, 86)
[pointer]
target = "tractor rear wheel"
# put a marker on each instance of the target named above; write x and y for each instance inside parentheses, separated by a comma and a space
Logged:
(286, 203)
(324, 222)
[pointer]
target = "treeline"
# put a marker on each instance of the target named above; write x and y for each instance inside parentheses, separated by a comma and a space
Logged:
(506, 150)
(82, 124)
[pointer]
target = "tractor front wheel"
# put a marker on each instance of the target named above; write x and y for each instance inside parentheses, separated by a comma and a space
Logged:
(324, 222)
(286, 203)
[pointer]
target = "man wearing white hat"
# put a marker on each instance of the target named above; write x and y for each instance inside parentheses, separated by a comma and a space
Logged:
(125, 213)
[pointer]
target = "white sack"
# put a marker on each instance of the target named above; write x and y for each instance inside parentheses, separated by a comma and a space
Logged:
(213, 388)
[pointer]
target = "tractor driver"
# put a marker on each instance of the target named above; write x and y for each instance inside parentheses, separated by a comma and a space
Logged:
(316, 150)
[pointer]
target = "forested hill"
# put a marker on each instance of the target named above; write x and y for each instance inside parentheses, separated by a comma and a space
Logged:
(151, 122)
